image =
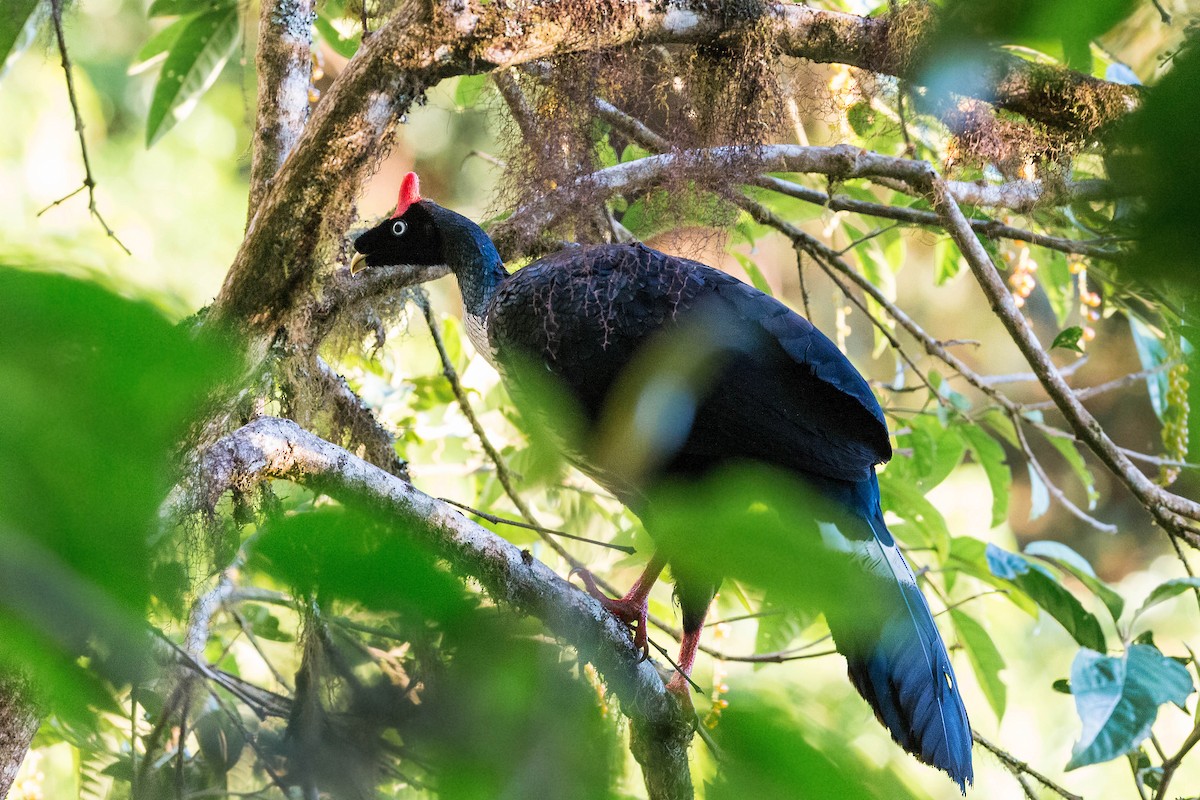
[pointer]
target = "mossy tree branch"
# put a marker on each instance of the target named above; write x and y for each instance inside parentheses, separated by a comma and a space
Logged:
(276, 448)
(283, 62)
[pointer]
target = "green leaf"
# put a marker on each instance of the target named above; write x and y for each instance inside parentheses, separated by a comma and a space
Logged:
(1165, 591)
(780, 625)
(1067, 559)
(1153, 355)
(1068, 339)
(98, 393)
(756, 277)
(769, 755)
(191, 67)
(1039, 495)
(1042, 587)
(221, 740)
(154, 50)
(1057, 283)
(862, 118)
(19, 24)
(1069, 450)
(906, 501)
(990, 455)
(345, 46)
(937, 450)
(1117, 699)
(985, 659)
(468, 91)
(175, 8)
(968, 555)
(633, 152)
(949, 261)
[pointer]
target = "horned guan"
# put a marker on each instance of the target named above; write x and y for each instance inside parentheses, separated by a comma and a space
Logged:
(781, 394)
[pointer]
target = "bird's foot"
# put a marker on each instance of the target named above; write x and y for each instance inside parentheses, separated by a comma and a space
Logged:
(632, 609)
(681, 687)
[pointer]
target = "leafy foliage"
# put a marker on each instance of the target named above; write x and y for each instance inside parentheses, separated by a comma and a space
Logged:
(1118, 699)
(197, 45)
(87, 376)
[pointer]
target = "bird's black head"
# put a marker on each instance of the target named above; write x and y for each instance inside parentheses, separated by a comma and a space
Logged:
(409, 237)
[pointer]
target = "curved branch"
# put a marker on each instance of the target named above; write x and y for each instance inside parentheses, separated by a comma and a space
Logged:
(278, 448)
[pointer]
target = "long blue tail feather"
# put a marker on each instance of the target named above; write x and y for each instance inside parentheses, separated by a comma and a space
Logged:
(898, 663)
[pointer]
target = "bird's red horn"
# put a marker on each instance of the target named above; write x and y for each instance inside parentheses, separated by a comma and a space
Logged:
(410, 192)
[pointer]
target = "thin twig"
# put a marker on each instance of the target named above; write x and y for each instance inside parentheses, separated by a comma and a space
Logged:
(1051, 487)
(464, 403)
(867, 237)
(1162, 12)
(1171, 764)
(89, 181)
(495, 520)
(1088, 392)
(1011, 762)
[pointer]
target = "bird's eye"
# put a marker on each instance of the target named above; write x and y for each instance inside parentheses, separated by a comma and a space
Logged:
(399, 227)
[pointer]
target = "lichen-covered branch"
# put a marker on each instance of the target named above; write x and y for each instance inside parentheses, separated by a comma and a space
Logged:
(838, 162)
(283, 62)
(993, 229)
(277, 448)
(20, 716)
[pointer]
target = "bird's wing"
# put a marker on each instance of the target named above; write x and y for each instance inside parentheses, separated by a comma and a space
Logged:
(788, 396)
(781, 392)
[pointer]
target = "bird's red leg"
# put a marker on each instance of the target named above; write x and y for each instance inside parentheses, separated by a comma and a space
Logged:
(678, 685)
(632, 609)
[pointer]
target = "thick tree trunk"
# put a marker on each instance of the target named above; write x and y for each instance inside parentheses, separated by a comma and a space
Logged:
(20, 717)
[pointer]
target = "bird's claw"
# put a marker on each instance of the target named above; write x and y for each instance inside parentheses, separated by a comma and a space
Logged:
(633, 612)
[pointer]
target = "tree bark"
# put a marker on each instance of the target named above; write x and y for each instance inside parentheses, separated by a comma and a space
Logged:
(20, 716)
(278, 448)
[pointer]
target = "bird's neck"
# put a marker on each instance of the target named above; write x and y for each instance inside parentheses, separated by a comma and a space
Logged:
(473, 258)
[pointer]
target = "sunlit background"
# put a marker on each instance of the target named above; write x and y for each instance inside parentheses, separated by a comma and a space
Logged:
(180, 207)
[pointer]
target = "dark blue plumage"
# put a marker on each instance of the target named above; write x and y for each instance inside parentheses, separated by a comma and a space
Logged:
(766, 387)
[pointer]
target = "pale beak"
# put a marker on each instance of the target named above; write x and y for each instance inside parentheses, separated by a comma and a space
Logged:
(358, 263)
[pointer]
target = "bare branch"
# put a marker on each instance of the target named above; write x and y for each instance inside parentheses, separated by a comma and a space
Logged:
(276, 448)
(89, 181)
(284, 65)
(1163, 505)
(1017, 766)
(20, 716)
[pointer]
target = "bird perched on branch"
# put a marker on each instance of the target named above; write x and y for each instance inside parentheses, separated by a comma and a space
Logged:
(627, 332)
